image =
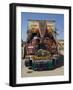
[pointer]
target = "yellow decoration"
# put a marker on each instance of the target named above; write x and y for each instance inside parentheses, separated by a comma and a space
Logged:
(34, 30)
(50, 29)
(40, 57)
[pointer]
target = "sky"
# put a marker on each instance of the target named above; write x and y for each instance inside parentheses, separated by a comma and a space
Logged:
(58, 18)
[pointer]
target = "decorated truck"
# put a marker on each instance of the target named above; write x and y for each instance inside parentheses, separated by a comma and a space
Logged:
(41, 50)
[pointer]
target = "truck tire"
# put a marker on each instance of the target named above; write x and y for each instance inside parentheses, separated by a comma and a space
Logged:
(28, 63)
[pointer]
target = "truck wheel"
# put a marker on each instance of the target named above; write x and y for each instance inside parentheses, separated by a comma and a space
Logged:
(28, 63)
